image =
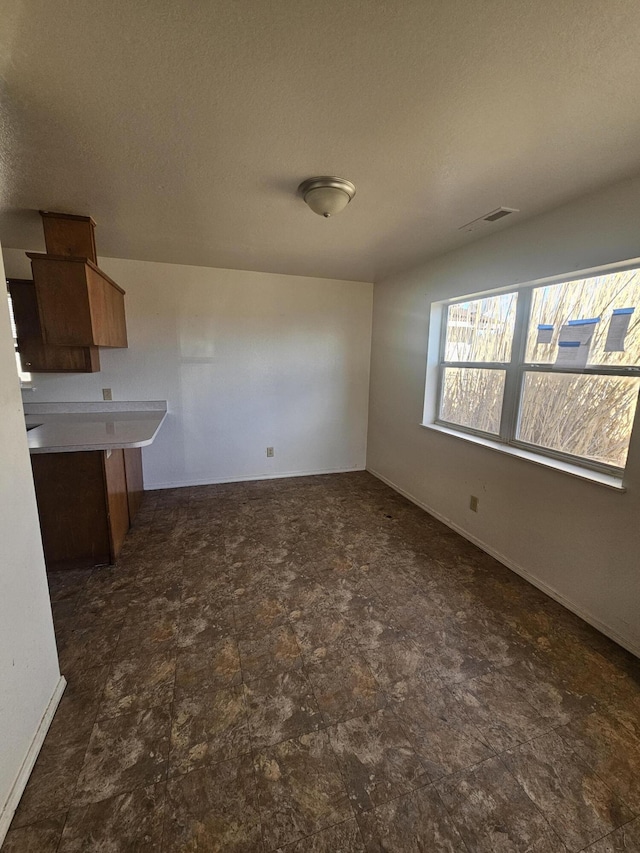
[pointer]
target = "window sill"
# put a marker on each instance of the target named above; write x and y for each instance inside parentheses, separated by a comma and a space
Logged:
(601, 479)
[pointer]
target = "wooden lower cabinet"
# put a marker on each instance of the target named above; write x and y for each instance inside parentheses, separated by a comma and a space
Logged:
(84, 505)
(135, 486)
(117, 500)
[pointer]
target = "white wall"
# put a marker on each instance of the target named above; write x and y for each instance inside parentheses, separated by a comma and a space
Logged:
(29, 674)
(578, 540)
(245, 360)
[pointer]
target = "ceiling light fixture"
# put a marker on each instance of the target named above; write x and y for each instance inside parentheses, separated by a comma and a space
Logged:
(327, 196)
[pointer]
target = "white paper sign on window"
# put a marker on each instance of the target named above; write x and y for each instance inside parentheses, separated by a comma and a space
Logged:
(618, 327)
(575, 343)
(545, 333)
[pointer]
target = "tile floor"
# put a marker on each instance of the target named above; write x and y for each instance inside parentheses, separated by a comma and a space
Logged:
(315, 665)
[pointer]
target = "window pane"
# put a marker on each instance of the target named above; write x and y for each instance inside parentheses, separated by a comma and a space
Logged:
(557, 304)
(482, 329)
(24, 375)
(587, 416)
(472, 397)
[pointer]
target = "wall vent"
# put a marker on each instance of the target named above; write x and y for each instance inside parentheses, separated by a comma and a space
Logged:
(488, 218)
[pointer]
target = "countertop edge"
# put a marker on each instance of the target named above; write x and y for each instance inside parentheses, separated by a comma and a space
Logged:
(101, 445)
(94, 407)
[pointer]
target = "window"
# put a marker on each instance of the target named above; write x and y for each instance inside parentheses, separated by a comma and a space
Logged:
(553, 368)
(25, 377)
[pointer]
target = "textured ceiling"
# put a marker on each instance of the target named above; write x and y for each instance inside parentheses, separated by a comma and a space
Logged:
(184, 128)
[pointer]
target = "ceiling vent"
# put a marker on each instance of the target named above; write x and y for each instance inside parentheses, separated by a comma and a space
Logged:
(488, 218)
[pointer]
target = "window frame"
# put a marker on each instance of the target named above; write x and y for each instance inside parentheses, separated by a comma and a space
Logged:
(25, 377)
(516, 369)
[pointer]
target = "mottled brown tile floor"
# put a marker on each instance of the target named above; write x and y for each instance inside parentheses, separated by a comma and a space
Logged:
(315, 665)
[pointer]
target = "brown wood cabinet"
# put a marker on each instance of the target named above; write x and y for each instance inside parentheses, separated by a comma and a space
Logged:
(69, 235)
(117, 499)
(78, 304)
(72, 307)
(35, 355)
(86, 502)
(135, 485)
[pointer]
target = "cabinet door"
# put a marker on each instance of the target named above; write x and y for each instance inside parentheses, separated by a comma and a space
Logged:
(78, 304)
(68, 234)
(35, 355)
(135, 487)
(72, 508)
(117, 501)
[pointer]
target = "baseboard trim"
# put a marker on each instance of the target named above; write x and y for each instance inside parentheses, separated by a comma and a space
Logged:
(9, 808)
(519, 570)
(208, 481)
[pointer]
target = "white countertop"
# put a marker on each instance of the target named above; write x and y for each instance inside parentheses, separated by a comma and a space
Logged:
(70, 427)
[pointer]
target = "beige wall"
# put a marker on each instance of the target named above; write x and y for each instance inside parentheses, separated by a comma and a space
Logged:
(29, 675)
(577, 540)
(245, 360)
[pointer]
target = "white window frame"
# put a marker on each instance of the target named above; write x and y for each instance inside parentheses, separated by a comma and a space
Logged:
(517, 367)
(24, 376)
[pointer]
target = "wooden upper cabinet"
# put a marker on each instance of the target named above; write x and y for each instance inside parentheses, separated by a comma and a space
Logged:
(69, 235)
(78, 304)
(35, 355)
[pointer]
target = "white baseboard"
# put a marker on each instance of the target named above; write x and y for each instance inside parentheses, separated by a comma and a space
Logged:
(209, 481)
(519, 570)
(9, 808)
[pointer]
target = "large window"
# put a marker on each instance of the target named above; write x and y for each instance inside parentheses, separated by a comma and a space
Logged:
(552, 368)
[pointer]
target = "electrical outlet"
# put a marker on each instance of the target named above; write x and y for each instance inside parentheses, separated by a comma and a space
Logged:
(473, 503)
(106, 394)
(269, 452)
